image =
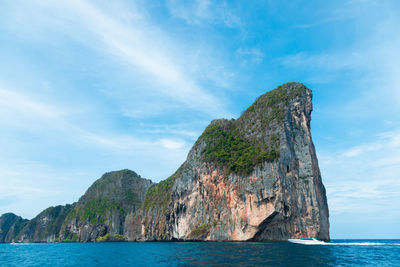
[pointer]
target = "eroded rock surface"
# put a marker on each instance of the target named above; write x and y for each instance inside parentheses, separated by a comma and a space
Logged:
(251, 179)
(255, 178)
(102, 210)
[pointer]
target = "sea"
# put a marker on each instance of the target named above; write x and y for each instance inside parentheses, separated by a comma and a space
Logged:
(335, 253)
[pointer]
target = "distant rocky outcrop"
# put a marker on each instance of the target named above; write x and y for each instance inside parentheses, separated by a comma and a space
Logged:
(45, 227)
(10, 227)
(251, 179)
(105, 206)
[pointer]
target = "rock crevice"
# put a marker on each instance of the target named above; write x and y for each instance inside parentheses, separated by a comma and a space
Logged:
(255, 178)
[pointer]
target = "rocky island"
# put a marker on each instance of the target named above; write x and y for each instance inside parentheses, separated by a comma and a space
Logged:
(251, 179)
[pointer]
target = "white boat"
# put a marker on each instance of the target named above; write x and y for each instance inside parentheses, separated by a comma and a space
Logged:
(307, 241)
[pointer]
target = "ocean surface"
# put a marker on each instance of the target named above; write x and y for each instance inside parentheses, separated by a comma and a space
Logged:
(336, 253)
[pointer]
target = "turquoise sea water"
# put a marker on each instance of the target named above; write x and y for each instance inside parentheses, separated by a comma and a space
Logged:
(337, 253)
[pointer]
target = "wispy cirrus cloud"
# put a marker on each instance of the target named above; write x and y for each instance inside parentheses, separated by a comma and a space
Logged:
(94, 86)
(40, 118)
(53, 115)
(204, 11)
(27, 187)
(46, 154)
(135, 42)
(11, 100)
(361, 173)
(364, 179)
(249, 55)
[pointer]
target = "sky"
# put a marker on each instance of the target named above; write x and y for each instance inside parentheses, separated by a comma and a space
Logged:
(88, 87)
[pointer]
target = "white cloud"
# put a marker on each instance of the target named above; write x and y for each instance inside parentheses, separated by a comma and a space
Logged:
(129, 144)
(30, 186)
(364, 179)
(11, 101)
(204, 11)
(253, 55)
(134, 43)
(191, 12)
(185, 129)
(368, 65)
(172, 144)
(24, 118)
(142, 46)
(356, 151)
(333, 61)
(74, 136)
(386, 141)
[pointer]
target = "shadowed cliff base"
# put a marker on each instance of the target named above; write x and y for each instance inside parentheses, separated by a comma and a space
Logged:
(251, 179)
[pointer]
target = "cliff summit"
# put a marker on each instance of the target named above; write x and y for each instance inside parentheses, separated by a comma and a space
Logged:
(251, 179)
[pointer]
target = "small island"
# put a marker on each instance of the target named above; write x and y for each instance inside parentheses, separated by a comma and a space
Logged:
(255, 178)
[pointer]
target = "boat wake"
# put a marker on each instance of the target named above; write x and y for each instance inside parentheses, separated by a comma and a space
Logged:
(322, 243)
(362, 244)
(314, 241)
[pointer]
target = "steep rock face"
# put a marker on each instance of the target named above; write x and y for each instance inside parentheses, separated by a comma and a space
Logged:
(102, 210)
(10, 226)
(99, 215)
(45, 227)
(255, 178)
(251, 179)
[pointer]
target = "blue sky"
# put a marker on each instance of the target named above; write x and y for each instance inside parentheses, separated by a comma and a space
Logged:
(88, 87)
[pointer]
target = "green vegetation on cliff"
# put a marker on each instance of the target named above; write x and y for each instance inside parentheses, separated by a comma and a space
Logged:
(199, 231)
(115, 192)
(71, 238)
(104, 207)
(95, 210)
(10, 226)
(238, 146)
(50, 221)
(122, 202)
(230, 149)
(110, 238)
(160, 194)
(271, 106)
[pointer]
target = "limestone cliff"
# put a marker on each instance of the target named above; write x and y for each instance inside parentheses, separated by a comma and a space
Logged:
(45, 227)
(251, 179)
(10, 227)
(101, 211)
(254, 178)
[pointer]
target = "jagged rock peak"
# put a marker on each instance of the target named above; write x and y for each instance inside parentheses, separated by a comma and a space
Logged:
(102, 210)
(239, 145)
(10, 226)
(254, 178)
(115, 180)
(251, 179)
